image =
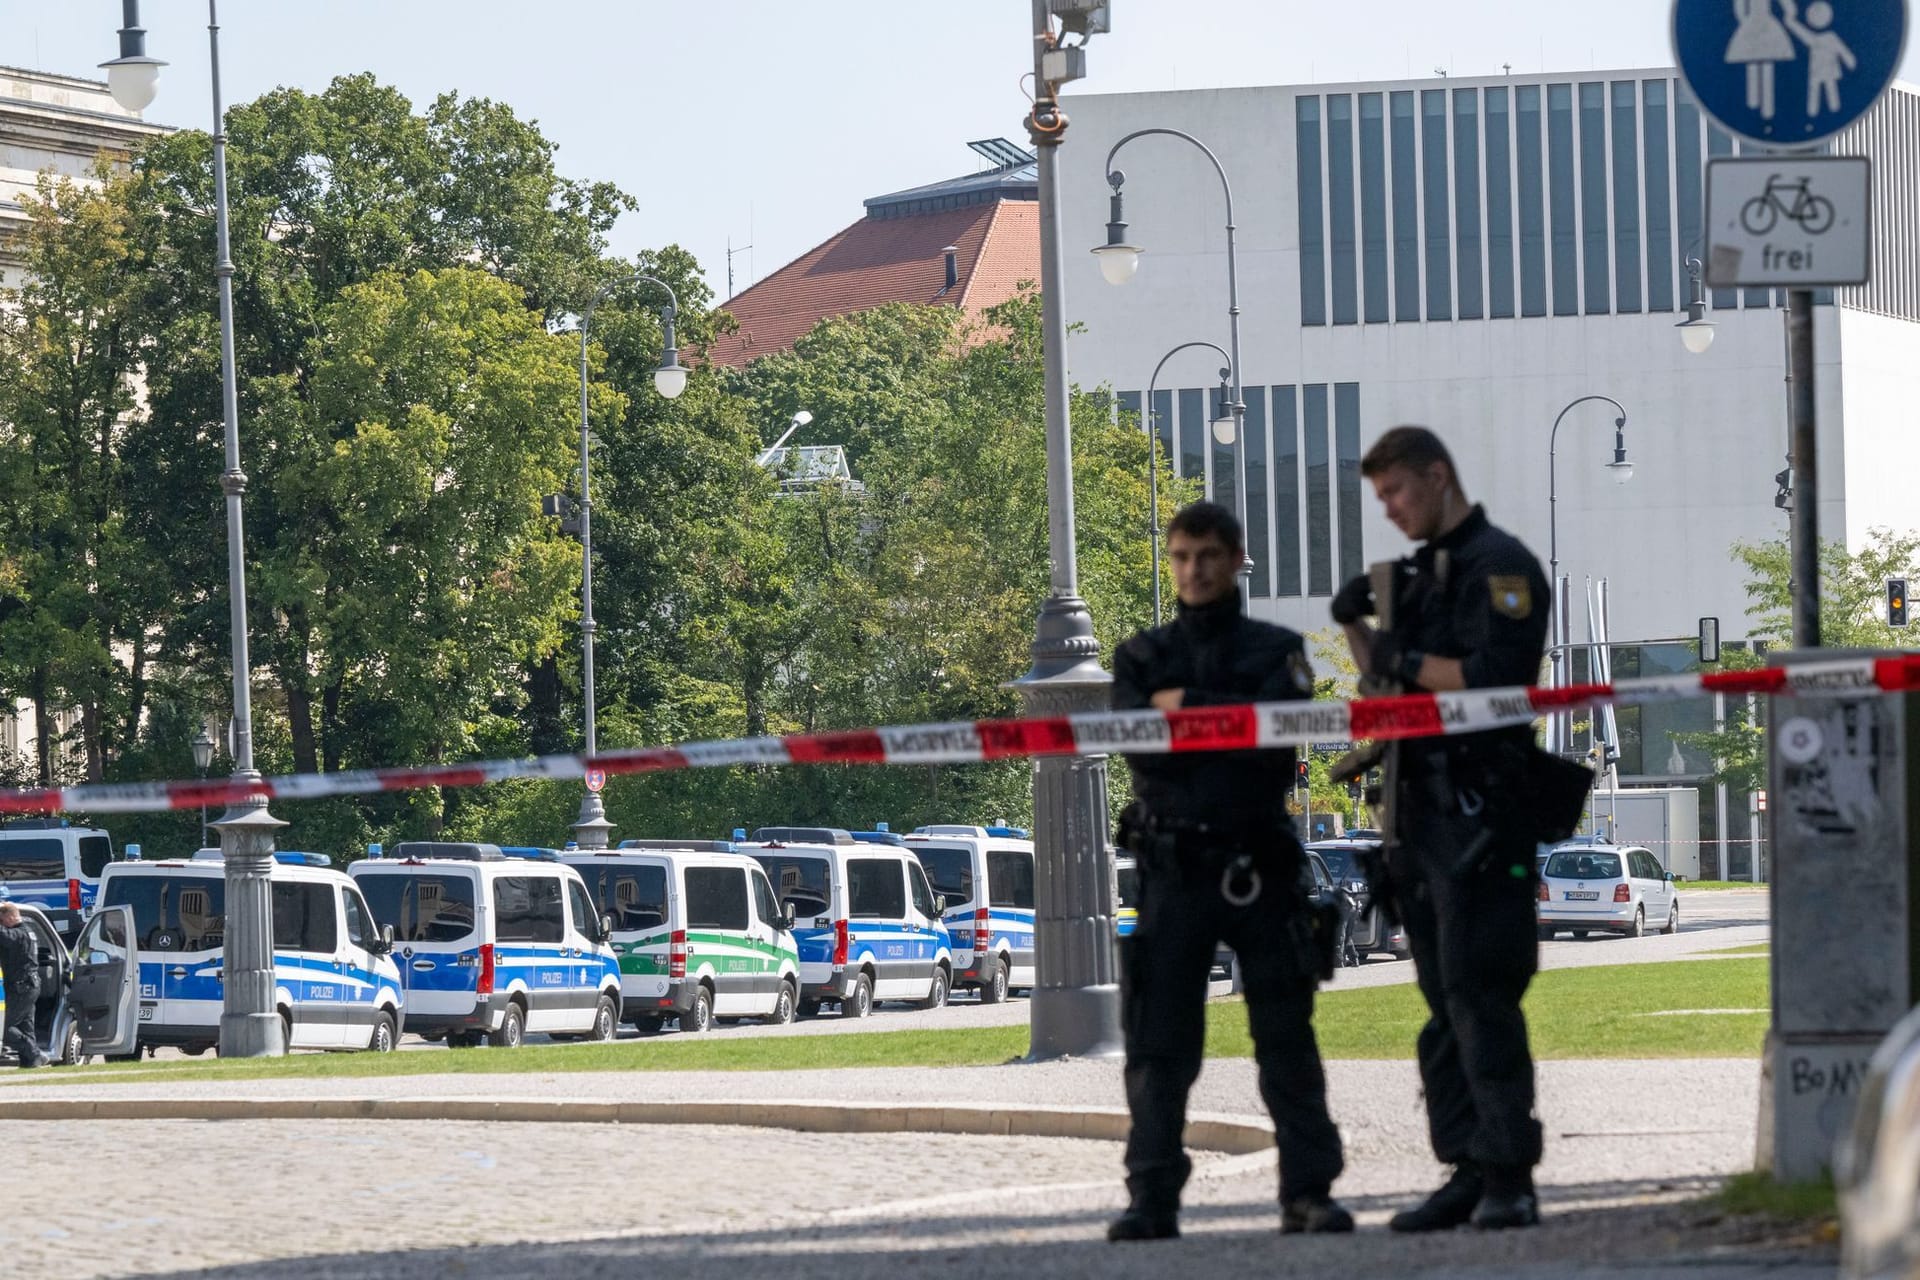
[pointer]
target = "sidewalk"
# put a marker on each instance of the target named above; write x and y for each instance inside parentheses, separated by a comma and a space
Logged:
(1630, 1144)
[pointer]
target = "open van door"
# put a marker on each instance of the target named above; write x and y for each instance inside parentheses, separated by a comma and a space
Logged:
(103, 1000)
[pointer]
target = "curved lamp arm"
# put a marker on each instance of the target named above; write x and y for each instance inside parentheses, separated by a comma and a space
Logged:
(670, 378)
(1553, 441)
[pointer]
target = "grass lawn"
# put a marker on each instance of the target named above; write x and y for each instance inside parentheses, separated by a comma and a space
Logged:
(1797, 1201)
(1752, 949)
(1571, 1013)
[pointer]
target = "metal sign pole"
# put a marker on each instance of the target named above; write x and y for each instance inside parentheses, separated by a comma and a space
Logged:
(1804, 531)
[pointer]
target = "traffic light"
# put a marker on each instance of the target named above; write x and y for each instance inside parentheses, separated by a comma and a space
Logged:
(1300, 774)
(1896, 602)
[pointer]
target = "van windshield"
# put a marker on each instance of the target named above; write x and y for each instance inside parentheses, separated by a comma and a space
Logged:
(421, 908)
(635, 896)
(950, 868)
(32, 858)
(1127, 886)
(171, 912)
(799, 878)
(1583, 864)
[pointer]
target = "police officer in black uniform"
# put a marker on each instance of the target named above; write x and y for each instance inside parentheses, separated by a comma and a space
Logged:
(1217, 860)
(20, 965)
(1470, 612)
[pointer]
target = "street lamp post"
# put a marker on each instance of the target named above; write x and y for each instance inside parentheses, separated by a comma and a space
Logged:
(1622, 472)
(1076, 994)
(249, 1025)
(1118, 263)
(1696, 331)
(202, 745)
(1153, 451)
(669, 379)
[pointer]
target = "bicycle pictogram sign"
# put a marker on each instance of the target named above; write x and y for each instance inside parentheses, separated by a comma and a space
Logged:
(1789, 199)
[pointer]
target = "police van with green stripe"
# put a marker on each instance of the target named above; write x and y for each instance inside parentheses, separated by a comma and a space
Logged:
(698, 933)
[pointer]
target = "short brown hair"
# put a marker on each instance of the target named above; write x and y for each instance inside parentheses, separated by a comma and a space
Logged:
(1205, 519)
(1415, 448)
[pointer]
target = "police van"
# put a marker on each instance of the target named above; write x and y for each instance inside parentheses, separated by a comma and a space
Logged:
(698, 933)
(867, 926)
(47, 864)
(492, 946)
(986, 876)
(335, 983)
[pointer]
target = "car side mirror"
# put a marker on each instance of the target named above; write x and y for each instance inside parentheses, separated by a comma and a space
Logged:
(1668, 877)
(786, 917)
(939, 904)
(605, 932)
(383, 945)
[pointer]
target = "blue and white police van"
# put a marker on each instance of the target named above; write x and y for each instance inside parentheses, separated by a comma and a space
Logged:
(866, 922)
(986, 876)
(335, 983)
(493, 945)
(47, 864)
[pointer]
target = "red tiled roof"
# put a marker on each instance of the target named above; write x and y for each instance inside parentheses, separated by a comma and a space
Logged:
(881, 260)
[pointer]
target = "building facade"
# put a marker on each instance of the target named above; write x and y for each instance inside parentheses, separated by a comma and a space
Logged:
(1475, 255)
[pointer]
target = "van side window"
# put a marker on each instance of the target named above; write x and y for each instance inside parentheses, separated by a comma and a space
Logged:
(528, 909)
(303, 917)
(95, 853)
(585, 919)
(1009, 878)
(917, 885)
(360, 930)
(875, 888)
(716, 898)
(763, 899)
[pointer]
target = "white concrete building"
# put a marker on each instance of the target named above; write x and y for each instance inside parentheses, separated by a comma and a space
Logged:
(1474, 255)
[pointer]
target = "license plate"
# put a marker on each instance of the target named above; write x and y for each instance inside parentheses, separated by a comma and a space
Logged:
(1582, 895)
(146, 1013)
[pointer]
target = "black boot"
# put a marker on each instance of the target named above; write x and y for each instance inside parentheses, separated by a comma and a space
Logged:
(1508, 1200)
(1315, 1215)
(1143, 1223)
(1449, 1207)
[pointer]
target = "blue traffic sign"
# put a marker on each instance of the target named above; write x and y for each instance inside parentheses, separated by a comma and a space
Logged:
(1788, 73)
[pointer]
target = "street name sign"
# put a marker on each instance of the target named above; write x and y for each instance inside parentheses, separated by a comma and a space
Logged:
(1788, 73)
(1799, 222)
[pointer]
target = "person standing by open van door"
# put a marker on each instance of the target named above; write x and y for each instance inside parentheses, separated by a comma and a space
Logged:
(20, 964)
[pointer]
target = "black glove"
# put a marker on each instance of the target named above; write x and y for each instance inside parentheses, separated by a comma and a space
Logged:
(1391, 659)
(1355, 600)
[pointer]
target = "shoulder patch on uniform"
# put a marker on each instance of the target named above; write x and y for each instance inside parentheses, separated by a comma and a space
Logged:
(1302, 672)
(1512, 594)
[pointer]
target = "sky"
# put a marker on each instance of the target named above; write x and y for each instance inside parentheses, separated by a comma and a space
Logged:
(765, 123)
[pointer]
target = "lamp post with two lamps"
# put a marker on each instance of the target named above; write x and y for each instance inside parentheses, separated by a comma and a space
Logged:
(249, 1025)
(1118, 263)
(1224, 429)
(669, 379)
(1622, 471)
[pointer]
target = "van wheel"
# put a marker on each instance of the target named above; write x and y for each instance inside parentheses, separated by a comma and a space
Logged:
(386, 1037)
(73, 1052)
(1673, 919)
(859, 1001)
(700, 1017)
(937, 994)
(783, 1003)
(1638, 929)
(513, 1029)
(606, 1020)
(286, 1031)
(994, 989)
(648, 1023)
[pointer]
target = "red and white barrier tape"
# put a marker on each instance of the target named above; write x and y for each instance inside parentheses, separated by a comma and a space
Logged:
(1266, 724)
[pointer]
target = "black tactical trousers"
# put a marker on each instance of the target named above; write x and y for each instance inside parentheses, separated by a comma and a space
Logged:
(1475, 950)
(1168, 960)
(19, 1034)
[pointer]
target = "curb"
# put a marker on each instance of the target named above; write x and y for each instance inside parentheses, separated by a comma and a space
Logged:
(1212, 1133)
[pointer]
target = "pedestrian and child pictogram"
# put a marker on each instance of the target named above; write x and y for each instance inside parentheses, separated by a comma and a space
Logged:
(1788, 72)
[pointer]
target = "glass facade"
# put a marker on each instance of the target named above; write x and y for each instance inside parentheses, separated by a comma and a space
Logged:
(1225, 482)
(1286, 492)
(1435, 222)
(1593, 194)
(1532, 203)
(1566, 268)
(1690, 186)
(1346, 448)
(1719, 144)
(1466, 200)
(1163, 421)
(1373, 207)
(1319, 492)
(1340, 229)
(1659, 180)
(1257, 491)
(1499, 205)
(1626, 195)
(1406, 212)
(1313, 251)
(1193, 433)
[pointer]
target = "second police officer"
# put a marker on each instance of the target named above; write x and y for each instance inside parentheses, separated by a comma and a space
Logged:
(1218, 861)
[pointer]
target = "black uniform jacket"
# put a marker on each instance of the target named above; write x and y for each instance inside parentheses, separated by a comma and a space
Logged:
(1219, 658)
(20, 958)
(1484, 601)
